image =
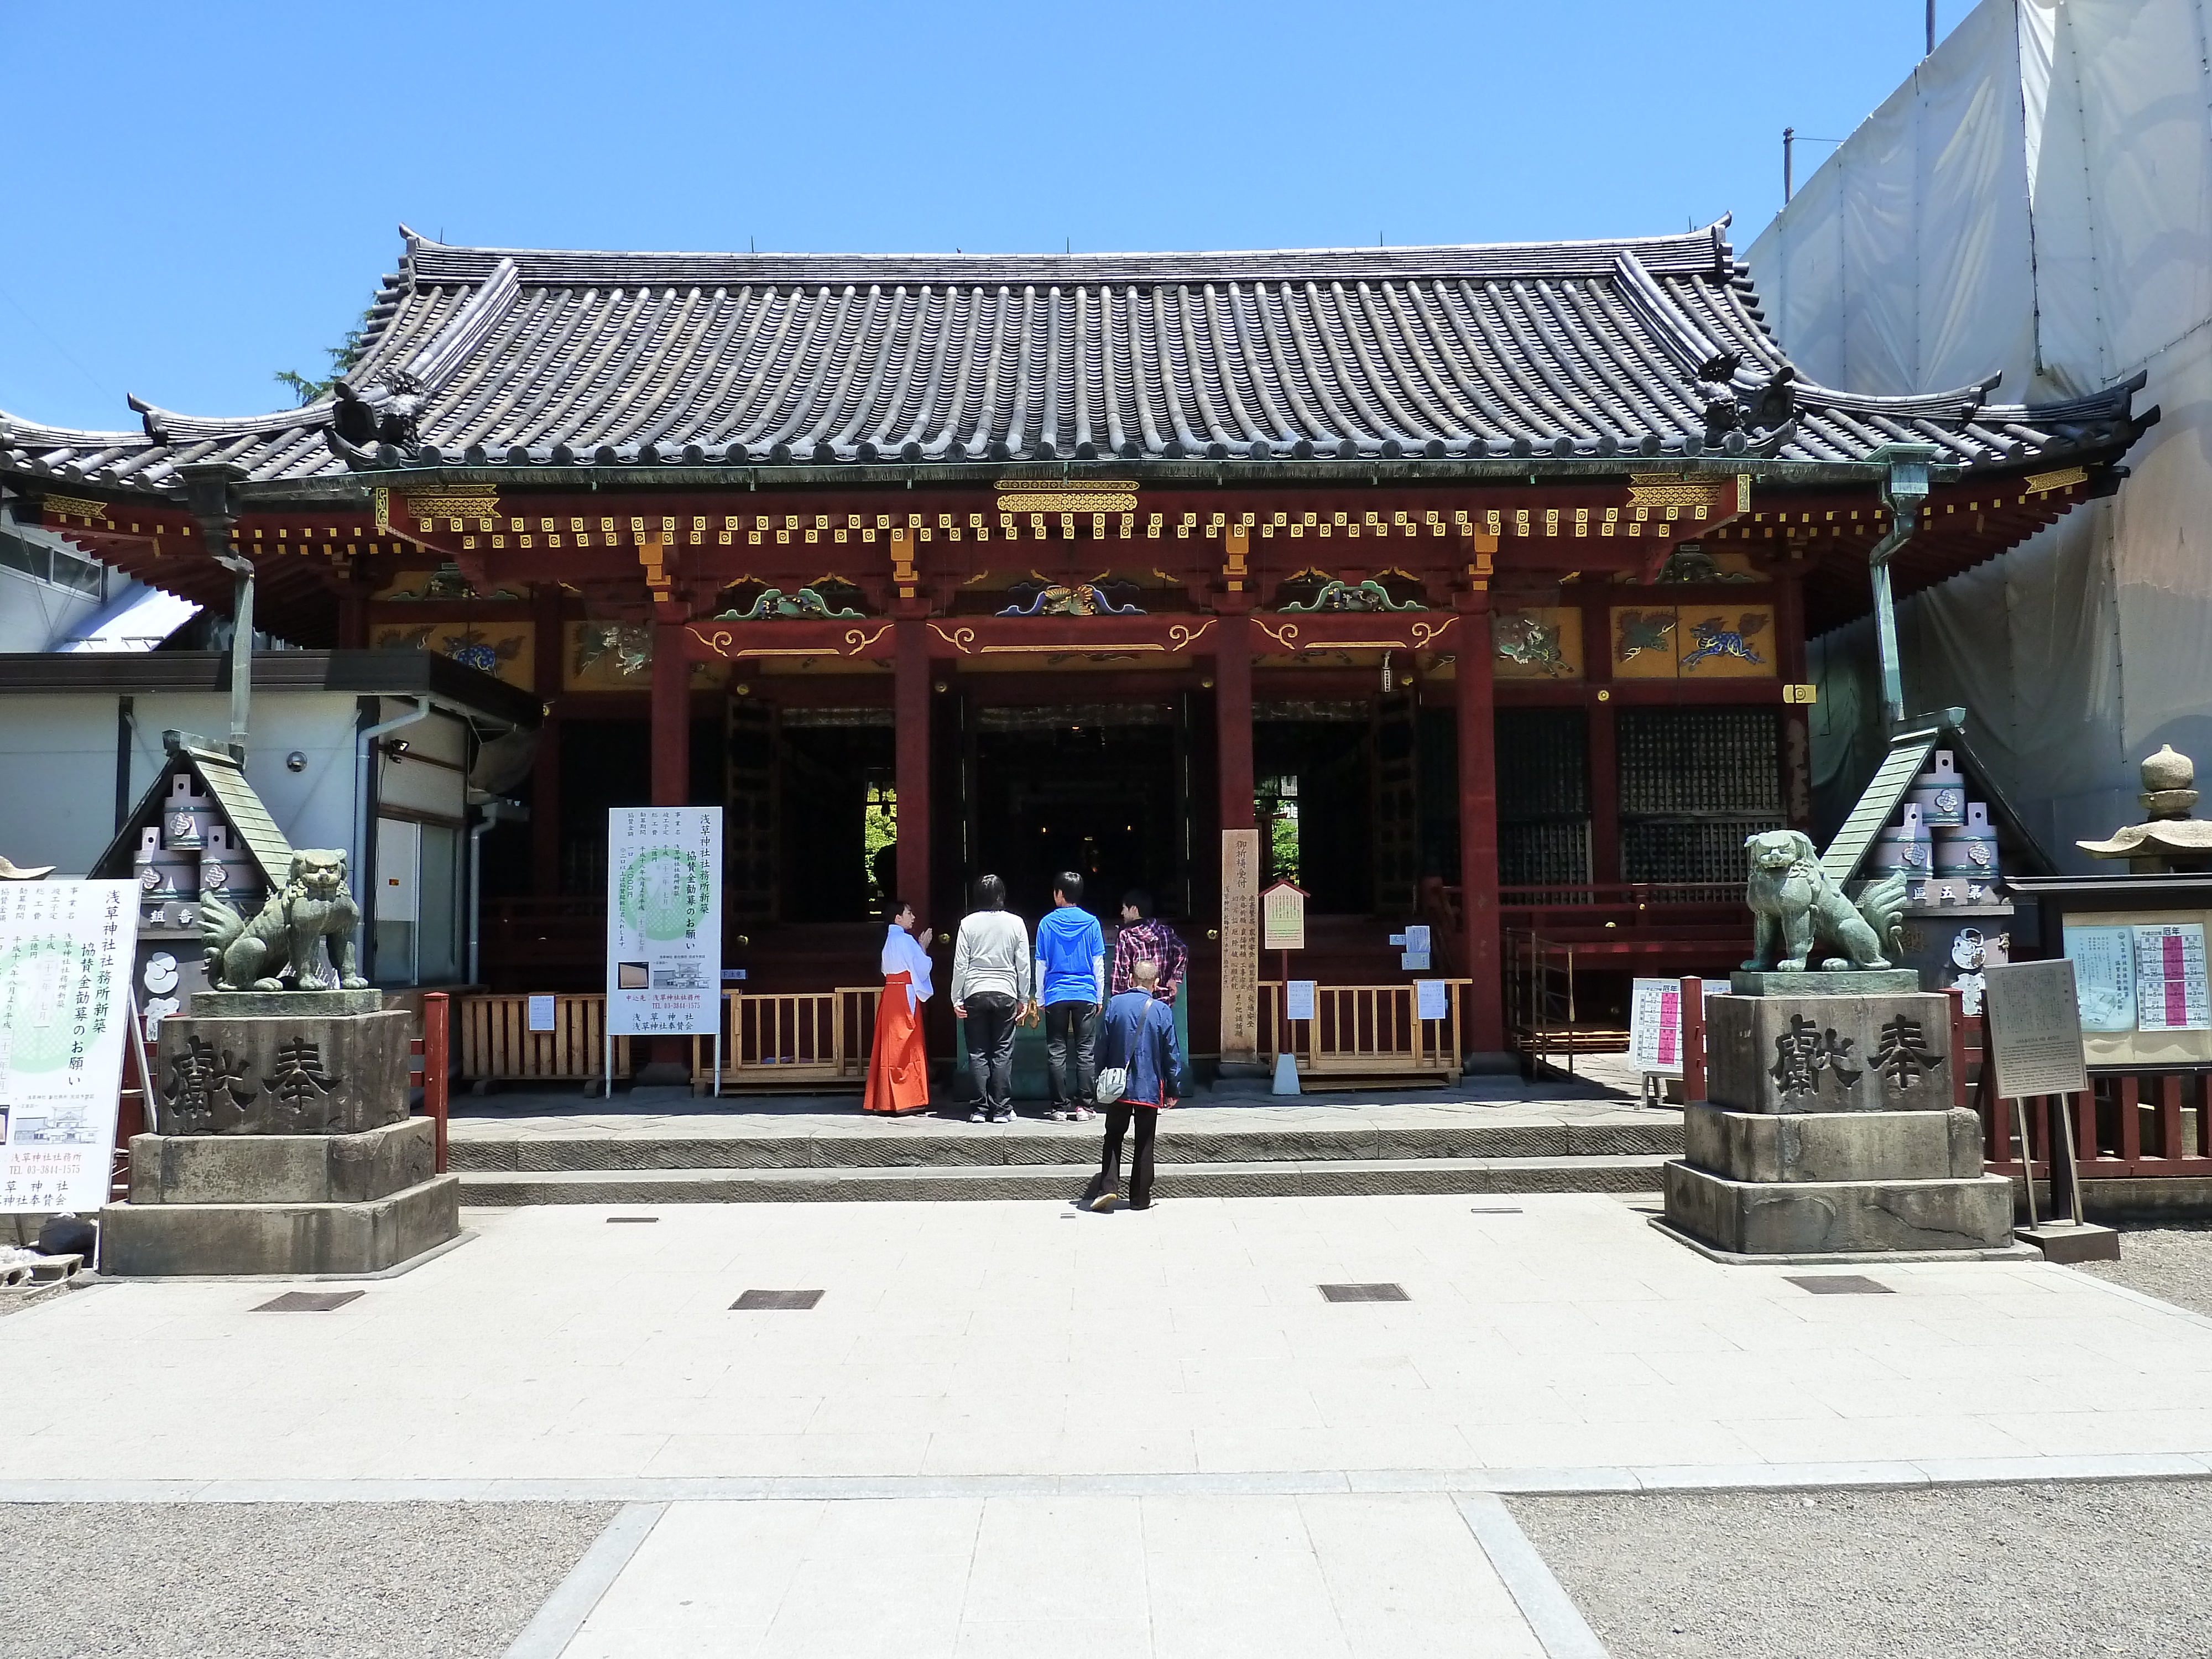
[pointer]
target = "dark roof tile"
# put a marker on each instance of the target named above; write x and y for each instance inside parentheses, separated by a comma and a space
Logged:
(518, 356)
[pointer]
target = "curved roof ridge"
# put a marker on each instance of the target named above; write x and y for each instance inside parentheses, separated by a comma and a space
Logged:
(1702, 250)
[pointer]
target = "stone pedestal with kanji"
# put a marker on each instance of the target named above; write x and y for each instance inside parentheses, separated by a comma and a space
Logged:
(282, 1144)
(1829, 1129)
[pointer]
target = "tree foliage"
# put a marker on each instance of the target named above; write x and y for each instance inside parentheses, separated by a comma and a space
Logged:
(343, 356)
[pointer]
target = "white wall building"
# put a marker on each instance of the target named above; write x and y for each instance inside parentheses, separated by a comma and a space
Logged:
(2035, 202)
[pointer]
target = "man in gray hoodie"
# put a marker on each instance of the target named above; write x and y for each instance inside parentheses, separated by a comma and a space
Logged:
(991, 985)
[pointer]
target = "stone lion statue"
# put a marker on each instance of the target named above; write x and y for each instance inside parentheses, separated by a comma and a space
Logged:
(1795, 905)
(288, 936)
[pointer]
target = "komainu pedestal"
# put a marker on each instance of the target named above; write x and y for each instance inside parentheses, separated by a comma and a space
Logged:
(283, 1144)
(1829, 1129)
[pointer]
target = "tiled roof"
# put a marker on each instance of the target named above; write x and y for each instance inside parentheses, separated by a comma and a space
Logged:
(490, 356)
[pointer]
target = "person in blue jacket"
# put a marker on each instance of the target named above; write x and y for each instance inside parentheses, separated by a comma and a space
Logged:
(1138, 1037)
(1071, 988)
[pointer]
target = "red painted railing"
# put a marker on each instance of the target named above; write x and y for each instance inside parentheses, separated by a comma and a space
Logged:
(428, 1056)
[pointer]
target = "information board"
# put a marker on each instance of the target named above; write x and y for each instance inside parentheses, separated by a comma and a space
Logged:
(1298, 998)
(1283, 918)
(664, 920)
(2170, 987)
(2103, 961)
(1240, 944)
(66, 949)
(1655, 1025)
(2035, 1028)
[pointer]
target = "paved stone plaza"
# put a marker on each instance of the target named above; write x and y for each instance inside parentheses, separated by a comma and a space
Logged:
(1012, 1427)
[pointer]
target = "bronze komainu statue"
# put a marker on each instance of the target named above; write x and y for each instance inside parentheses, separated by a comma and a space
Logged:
(1795, 906)
(287, 936)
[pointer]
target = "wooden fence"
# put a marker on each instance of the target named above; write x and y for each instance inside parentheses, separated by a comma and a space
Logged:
(1368, 1033)
(497, 1044)
(789, 1039)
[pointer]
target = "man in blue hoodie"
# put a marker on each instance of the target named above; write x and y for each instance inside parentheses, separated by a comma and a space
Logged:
(1071, 986)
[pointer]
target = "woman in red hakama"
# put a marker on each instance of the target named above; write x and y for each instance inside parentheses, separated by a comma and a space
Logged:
(898, 1069)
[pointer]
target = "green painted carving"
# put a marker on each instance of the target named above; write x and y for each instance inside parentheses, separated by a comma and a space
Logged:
(773, 604)
(1369, 595)
(1521, 637)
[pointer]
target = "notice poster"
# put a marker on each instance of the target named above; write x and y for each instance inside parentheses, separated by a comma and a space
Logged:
(2171, 994)
(664, 920)
(1432, 1000)
(66, 949)
(1655, 1025)
(1298, 998)
(2103, 961)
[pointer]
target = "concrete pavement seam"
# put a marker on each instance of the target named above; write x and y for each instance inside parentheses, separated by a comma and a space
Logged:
(2129, 1294)
(561, 1615)
(1581, 1482)
(1557, 1624)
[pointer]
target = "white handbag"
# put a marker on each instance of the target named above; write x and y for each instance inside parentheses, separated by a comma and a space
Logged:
(1113, 1084)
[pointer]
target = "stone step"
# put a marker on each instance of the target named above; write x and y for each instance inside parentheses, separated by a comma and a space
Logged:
(943, 1145)
(1280, 1178)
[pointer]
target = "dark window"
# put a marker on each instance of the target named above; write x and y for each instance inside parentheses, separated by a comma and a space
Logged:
(1543, 797)
(1693, 783)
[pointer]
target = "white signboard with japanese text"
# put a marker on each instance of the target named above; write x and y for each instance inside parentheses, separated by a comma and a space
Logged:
(1655, 1023)
(1283, 918)
(2170, 991)
(66, 949)
(664, 920)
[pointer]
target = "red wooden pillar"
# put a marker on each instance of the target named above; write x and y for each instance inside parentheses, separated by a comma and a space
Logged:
(1478, 818)
(671, 717)
(1232, 719)
(549, 648)
(1604, 790)
(1797, 728)
(910, 701)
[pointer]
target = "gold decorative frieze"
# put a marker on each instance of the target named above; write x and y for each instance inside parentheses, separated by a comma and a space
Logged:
(77, 507)
(2037, 483)
(1067, 496)
(472, 507)
(1673, 496)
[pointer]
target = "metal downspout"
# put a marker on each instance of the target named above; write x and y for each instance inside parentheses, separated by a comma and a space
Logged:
(1906, 490)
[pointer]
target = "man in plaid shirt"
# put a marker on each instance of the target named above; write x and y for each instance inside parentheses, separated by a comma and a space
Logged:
(1145, 937)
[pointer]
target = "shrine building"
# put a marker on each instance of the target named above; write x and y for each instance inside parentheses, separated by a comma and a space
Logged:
(1477, 579)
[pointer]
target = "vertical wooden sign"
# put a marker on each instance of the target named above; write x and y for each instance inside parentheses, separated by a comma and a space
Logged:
(1240, 945)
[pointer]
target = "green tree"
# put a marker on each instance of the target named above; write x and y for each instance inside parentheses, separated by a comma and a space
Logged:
(343, 356)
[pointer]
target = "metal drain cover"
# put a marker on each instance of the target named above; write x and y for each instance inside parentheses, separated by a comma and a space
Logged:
(754, 1301)
(1365, 1293)
(310, 1301)
(1841, 1284)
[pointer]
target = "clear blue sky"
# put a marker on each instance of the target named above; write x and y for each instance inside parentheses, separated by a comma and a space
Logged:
(200, 194)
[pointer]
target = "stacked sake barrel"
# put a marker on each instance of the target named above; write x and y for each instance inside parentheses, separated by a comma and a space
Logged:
(1942, 843)
(189, 854)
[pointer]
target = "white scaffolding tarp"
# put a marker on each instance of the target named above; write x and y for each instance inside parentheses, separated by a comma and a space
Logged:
(2036, 201)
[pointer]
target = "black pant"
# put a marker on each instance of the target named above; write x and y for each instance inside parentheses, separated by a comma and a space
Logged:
(991, 1048)
(1118, 1116)
(1076, 1025)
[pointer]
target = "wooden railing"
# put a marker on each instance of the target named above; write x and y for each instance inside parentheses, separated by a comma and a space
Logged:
(783, 1039)
(2129, 1123)
(1368, 1031)
(497, 1044)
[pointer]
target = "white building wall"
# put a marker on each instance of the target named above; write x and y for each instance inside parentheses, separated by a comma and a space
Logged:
(58, 803)
(2035, 201)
